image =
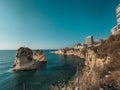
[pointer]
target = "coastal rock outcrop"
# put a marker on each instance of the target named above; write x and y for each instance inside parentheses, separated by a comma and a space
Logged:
(102, 65)
(39, 56)
(26, 60)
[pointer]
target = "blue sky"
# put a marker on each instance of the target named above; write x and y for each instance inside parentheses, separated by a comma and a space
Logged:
(48, 24)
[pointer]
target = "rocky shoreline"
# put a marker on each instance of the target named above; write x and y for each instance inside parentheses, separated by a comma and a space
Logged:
(102, 70)
(25, 59)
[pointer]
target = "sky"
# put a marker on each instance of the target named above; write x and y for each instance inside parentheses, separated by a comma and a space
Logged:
(53, 24)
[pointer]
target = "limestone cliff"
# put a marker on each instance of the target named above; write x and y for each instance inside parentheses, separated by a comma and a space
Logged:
(102, 65)
(26, 60)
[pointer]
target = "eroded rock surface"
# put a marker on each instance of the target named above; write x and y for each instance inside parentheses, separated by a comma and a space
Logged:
(39, 56)
(102, 65)
(26, 60)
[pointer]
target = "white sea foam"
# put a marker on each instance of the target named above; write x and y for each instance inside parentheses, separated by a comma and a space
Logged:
(9, 70)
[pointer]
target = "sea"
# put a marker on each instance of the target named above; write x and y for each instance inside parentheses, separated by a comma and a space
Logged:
(58, 69)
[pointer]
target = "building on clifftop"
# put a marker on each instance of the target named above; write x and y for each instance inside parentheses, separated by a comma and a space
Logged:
(116, 29)
(89, 40)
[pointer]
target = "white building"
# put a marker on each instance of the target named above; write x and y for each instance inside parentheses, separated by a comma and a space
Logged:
(116, 29)
(118, 14)
(89, 40)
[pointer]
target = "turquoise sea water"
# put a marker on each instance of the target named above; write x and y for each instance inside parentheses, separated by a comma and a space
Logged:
(58, 68)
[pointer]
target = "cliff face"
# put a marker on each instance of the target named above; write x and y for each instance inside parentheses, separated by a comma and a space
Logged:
(106, 57)
(26, 60)
(106, 54)
(71, 51)
(102, 65)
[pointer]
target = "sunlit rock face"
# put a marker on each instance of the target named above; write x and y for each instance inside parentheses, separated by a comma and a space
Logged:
(26, 60)
(39, 56)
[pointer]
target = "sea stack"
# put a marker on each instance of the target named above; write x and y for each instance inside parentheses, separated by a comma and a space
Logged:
(26, 60)
(39, 56)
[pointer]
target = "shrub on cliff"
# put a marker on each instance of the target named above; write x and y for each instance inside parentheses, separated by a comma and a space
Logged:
(84, 80)
(111, 48)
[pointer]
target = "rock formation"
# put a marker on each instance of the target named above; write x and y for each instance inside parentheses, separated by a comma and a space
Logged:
(102, 65)
(39, 56)
(26, 60)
